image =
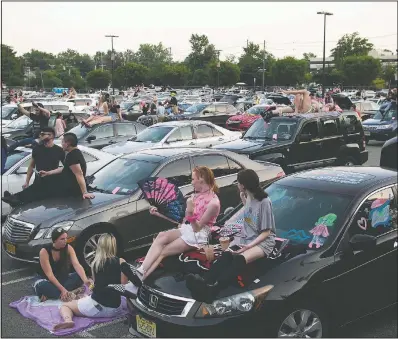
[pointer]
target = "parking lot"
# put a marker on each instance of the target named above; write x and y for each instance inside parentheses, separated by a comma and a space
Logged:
(17, 280)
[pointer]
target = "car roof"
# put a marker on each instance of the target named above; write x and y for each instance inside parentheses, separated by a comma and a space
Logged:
(351, 180)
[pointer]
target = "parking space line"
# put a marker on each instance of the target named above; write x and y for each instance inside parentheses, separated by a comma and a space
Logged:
(15, 271)
(95, 327)
(17, 280)
(85, 334)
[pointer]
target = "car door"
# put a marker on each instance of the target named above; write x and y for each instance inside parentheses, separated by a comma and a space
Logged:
(226, 177)
(180, 171)
(332, 140)
(181, 137)
(366, 281)
(305, 154)
(125, 131)
(220, 115)
(103, 136)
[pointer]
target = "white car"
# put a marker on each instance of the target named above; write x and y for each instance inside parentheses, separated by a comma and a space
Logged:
(191, 133)
(17, 165)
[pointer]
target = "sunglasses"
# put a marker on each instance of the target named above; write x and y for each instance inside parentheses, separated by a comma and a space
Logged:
(45, 134)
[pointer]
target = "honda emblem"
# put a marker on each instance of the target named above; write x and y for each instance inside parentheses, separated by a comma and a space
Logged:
(153, 301)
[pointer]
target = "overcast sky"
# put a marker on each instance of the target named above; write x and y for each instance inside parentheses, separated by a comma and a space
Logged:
(287, 28)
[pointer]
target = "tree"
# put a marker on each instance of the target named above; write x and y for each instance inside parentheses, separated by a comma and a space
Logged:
(130, 74)
(388, 73)
(229, 73)
(200, 77)
(360, 70)
(289, 71)
(152, 56)
(175, 74)
(378, 83)
(38, 59)
(351, 45)
(333, 76)
(98, 79)
(308, 56)
(202, 52)
(11, 66)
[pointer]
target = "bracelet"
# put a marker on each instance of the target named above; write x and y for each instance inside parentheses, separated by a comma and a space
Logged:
(192, 218)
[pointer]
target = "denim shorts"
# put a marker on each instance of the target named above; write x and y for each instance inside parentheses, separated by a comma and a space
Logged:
(87, 307)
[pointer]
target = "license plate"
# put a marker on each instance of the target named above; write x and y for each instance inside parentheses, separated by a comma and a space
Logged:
(10, 248)
(367, 133)
(146, 327)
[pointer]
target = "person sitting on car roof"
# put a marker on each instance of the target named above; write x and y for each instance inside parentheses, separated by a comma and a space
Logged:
(104, 113)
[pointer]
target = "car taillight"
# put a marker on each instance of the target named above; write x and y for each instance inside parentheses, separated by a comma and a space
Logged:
(280, 174)
(364, 142)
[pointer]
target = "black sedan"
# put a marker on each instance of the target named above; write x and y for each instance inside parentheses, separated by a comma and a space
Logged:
(337, 229)
(101, 135)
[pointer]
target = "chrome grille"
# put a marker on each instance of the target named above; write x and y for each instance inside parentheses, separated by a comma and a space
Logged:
(16, 230)
(163, 305)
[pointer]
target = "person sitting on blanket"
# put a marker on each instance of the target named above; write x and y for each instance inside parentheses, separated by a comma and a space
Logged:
(257, 240)
(103, 302)
(54, 280)
(202, 211)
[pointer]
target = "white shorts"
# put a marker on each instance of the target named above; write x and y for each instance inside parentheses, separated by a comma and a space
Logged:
(87, 307)
(195, 239)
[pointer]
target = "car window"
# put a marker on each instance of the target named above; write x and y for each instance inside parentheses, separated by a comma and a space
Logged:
(179, 171)
(233, 167)
(217, 163)
(204, 131)
(330, 127)
(216, 132)
(89, 157)
(350, 124)
(312, 129)
(221, 109)
(210, 108)
(14, 157)
(126, 130)
(105, 131)
(180, 134)
(376, 216)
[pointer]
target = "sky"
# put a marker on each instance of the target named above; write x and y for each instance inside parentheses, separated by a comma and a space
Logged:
(289, 29)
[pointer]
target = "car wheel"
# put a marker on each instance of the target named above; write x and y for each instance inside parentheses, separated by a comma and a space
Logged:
(302, 323)
(87, 245)
(349, 161)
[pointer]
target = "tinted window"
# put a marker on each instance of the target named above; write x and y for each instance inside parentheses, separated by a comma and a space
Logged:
(180, 134)
(13, 158)
(350, 124)
(204, 131)
(88, 157)
(276, 129)
(216, 132)
(125, 130)
(217, 163)
(312, 129)
(330, 127)
(221, 109)
(153, 134)
(179, 170)
(377, 215)
(105, 131)
(233, 166)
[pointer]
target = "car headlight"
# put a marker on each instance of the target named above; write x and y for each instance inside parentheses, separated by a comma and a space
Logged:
(384, 126)
(46, 232)
(233, 305)
(6, 135)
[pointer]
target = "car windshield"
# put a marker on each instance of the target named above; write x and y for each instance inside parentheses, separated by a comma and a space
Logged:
(121, 176)
(153, 134)
(390, 114)
(196, 108)
(256, 110)
(277, 129)
(80, 131)
(13, 158)
(126, 105)
(314, 217)
(5, 111)
(20, 123)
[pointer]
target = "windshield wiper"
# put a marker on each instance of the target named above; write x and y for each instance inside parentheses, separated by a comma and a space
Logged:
(96, 189)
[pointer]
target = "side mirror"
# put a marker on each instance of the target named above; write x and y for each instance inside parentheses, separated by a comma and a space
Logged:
(362, 242)
(305, 138)
(14, 116)
(22, 170)
(205, 112)
(91, 138)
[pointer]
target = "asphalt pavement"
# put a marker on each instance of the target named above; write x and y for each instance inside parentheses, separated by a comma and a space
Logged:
(16, 281)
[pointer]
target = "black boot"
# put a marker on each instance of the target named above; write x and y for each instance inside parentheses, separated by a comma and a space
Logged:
(131, 274)
(12, 200)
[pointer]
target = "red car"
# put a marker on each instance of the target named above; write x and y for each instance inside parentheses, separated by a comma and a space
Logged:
(242, 122)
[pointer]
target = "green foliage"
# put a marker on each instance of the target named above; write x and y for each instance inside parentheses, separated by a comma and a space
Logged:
(130, 74)
(378, 83)
(98, 79)
(388, 73)
(360, 70)
(308, 56)
(11, 66)
(290, 71)
(229, 73)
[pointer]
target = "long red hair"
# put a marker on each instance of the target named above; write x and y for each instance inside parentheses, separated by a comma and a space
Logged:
(208, 176)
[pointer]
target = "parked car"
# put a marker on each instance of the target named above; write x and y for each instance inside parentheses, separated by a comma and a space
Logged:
(216, 112)
(304, 141)
(131, 110)
(22, 127)
(304, 291)
(9, 112)
(105, 134)
(18, 162)
(118, 206)
(242, 122)
(191, 133)
(382, 126)
(388, 155)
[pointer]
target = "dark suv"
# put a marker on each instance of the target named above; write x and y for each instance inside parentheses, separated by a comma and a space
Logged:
(304, 141)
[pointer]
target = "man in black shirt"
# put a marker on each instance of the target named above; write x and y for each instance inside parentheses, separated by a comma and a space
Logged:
(173, 102)
(45, 156)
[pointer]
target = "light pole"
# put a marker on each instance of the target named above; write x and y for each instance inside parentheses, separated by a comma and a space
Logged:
(264, 67)
(324, 49)
(112, 58)
(218, 68)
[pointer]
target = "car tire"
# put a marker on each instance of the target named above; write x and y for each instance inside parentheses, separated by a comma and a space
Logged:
(289, 323)
(85, 250)
(348, 161)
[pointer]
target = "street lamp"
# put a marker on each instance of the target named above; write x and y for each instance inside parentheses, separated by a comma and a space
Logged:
(112, 58)
(324, 49)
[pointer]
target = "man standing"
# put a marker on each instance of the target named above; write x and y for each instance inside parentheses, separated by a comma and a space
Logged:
(173, 102)
(45, 157)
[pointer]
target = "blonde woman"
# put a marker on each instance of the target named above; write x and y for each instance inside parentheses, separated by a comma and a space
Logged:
(103, 302)
(103, 116)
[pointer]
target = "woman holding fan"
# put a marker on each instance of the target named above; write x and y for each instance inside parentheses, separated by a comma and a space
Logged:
(201, 213)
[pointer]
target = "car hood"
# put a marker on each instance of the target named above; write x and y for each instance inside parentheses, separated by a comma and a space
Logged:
(247, 146)
(49, 212)
(5, 130)
(128, 147)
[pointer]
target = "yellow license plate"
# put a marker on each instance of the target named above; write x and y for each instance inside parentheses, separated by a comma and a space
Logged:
(146, 327)
(10, 248)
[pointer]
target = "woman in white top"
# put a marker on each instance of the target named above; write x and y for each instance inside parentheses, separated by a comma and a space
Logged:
(104, 114)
